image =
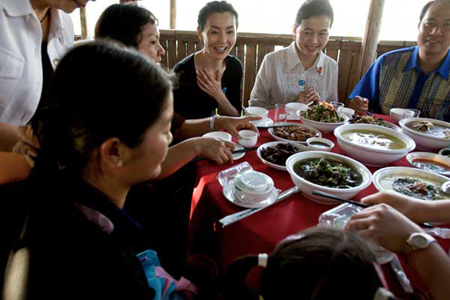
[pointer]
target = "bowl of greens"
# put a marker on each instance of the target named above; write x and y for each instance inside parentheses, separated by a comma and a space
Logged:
(327, 172)
(323, 117)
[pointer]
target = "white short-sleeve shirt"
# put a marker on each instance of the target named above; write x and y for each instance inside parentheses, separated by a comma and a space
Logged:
(278, 79)
(21, 77)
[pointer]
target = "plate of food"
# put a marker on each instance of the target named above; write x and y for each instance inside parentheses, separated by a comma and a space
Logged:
(293, 132)
(275, 154)
(373, 120)
(412, 182)
(323, 116)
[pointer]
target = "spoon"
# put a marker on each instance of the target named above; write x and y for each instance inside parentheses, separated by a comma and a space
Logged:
(445, 188)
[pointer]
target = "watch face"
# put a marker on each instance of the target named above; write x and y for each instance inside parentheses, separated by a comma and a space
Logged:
(420, 241)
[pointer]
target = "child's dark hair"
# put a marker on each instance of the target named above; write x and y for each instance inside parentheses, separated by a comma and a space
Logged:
(322, 263)
(314, 8)
(123, 23)
(215, 7)
(99, 90)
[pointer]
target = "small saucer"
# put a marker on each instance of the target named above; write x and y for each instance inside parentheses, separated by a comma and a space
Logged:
(228, 192)
(238, 155)
(264, 122)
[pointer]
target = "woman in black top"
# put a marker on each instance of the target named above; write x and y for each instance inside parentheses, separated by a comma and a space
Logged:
(211, 79)
(93, 147)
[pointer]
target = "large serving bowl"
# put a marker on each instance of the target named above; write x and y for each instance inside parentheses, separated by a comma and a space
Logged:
(425, 141)
(325, 127)
(307, 187)
(383, 177)
(366, 153)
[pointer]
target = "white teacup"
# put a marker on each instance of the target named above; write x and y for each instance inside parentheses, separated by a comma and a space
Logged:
(247, 138)
(397, 114)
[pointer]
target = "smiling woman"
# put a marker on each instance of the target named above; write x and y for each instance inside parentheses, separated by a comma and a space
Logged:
(210, 79)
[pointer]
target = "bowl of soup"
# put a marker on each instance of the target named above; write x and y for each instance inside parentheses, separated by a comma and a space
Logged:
(327, 172)
(430, 162)
(429, 134)
(411, 182)
(373, 145)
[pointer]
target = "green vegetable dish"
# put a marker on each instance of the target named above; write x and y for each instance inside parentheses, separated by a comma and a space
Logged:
(321, 112)
(328, 172)
(416, 188)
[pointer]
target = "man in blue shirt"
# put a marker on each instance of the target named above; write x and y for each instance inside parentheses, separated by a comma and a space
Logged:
(414, 77)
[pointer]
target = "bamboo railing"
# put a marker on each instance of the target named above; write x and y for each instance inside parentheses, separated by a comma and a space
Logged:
(252, 47)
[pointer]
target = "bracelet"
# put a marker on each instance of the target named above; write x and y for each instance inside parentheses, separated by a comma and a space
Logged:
(211, 122)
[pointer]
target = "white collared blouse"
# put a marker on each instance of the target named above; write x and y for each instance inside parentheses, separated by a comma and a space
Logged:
(21, 77)
(280, 73)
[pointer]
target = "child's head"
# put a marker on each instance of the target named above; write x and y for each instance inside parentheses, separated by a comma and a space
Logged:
(319, 263)
(110, 107)
(133, 26)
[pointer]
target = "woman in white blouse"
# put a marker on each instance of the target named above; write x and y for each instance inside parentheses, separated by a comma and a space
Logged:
(34, 35)
(300, 72)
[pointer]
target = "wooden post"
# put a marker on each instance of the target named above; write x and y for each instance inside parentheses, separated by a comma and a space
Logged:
(173, 14)
(371, 35)
(84, 31)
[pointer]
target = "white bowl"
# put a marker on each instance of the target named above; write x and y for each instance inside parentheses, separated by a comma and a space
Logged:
(308, 187)
(256, 111)
(325, 127)
(433, 157)
(404, 172)
(371, 156)
(253, 186)
(425, 141)
(218, 135)
(349, 112)
(314, 131)
(297, 146)
(328, 145)
(396, 114)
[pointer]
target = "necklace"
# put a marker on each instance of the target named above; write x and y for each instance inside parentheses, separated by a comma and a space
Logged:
(46, 15)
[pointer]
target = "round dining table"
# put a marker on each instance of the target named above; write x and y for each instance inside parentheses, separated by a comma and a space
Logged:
(260, 232)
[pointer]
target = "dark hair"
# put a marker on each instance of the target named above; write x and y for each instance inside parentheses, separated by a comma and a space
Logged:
(325, 263)
(215, 7)
(99, 90)
(427, 6)
(314, 8)
(123, 23)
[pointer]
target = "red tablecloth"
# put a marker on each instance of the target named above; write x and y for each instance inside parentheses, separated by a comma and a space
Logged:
(263, 230)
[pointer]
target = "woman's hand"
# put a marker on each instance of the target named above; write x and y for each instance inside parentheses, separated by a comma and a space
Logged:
(308, 96)
(385, 225)
(411, 208)
(233, 125)
(215, 149)
(27, 145)
(360, 105)
(210, 83)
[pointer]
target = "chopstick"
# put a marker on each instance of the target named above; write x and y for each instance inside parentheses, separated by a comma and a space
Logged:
(326, 195)
(234, 152)
(280, 125)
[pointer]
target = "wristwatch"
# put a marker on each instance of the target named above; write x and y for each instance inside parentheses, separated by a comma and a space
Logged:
(417, 241)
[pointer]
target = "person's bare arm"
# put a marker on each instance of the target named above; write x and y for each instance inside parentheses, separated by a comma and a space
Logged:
(9, 136)
(182, 153)
(197, 127)
(418, 211)
(391, 229)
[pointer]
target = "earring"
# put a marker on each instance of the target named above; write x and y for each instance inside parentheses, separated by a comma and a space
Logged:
(120, 163)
